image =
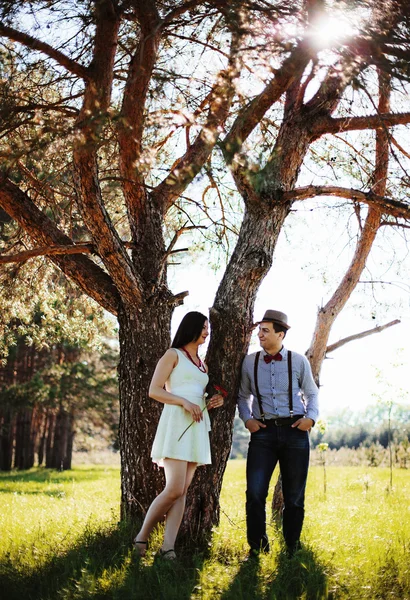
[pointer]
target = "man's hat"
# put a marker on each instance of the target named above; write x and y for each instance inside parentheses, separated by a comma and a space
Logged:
(277, 317)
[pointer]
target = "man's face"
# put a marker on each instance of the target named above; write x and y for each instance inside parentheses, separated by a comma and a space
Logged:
(269, 339)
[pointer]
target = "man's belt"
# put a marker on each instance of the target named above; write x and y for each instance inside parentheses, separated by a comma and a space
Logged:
(283, 422)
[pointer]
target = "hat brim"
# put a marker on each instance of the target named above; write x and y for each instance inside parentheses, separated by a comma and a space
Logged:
(285, 325)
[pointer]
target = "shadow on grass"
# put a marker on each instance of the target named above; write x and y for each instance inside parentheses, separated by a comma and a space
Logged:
(281, 578)
(246, 582)
(40, 475)
(101, 565)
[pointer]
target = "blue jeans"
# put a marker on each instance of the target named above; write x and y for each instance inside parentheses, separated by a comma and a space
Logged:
(289, 446)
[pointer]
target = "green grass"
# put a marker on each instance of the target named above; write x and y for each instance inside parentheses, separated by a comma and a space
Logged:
(61, 540)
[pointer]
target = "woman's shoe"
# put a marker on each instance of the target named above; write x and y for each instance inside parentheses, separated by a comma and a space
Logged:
(167, 554)
(139, 547)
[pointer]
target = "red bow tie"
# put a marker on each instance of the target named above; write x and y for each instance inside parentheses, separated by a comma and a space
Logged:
(269, 358)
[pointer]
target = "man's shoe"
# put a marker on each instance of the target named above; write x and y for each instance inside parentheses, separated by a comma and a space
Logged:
(255, 552)
(253, 555)
(291, 550)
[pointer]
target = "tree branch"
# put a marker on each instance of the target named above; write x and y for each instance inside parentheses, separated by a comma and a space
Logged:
(131, 124)
(400, 148)
(178, 299)
(84, 248)
(359, 336)
(89, 276)
(328, 313)
(180, 10)
(35, 44)
(188, 166)
(337, 125)
(386, 205)
(250, 116)
(47, 251)
(170, 250)
(92, 117)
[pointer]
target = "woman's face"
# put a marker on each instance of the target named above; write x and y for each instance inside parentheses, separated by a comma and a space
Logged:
(204, 333)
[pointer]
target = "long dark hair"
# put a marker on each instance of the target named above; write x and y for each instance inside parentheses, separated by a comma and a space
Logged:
(189, 329)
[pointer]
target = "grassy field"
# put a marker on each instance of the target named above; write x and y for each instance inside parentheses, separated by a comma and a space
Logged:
(61, 540)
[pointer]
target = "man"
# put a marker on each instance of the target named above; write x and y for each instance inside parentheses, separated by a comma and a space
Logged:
(278, 410)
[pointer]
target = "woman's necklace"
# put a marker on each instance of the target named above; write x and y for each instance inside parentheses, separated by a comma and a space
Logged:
(201, 365)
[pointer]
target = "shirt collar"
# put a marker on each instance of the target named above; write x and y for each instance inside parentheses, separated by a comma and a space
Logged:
(282, 351)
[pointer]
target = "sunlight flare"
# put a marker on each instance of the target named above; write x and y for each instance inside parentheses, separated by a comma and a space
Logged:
(330, 30)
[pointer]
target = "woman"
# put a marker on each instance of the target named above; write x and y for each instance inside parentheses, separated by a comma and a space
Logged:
(178, 446)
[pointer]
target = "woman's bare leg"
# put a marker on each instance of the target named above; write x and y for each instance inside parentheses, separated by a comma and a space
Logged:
(176, 512)
(175, 476)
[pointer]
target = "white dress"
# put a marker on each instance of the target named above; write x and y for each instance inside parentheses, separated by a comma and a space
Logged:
(187, 381)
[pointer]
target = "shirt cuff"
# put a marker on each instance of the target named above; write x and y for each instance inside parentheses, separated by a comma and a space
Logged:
(311, 417)
(246, 417)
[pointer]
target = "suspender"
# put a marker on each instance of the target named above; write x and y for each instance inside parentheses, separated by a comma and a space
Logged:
(258, 394)
(290, 383)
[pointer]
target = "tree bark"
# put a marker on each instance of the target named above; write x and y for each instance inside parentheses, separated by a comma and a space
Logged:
(24, 455)
(231, 320)
(43, 438)
(144, 337)
(50, 439)
(67, 461)
(7, 426)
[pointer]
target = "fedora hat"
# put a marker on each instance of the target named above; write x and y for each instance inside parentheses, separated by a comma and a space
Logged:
(277, 317)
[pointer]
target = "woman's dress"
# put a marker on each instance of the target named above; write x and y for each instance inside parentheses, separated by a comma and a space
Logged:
(186, 381)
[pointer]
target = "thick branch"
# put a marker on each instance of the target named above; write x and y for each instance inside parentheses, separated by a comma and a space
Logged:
(84, 248)
(359, 336)
(386, 205)
(328, 314)
(91, 120)
(139, 77)
(332, 87)
(131, 123)
(35, 44)
(243, 183)
(178, 299)
(188, 166)
(46, 251)
(89, 276)
(180, 10)
(330, 125)
(251, 115)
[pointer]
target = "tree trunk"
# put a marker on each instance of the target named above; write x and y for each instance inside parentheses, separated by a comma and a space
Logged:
(327, 314)
(23, 452)
(144, 337)
(67, 461)
(7, 426)
(231, 321)
(277, 502)
(232, 313)
(60, 440)
(50, 439)
(43, 437)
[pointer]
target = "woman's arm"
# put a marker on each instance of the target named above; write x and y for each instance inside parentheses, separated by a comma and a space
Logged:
(156, 389)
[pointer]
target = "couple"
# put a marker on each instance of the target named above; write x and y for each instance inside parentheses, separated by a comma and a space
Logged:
(271, 406)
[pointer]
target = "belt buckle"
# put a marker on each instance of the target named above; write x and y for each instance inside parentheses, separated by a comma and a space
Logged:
(277, 422)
